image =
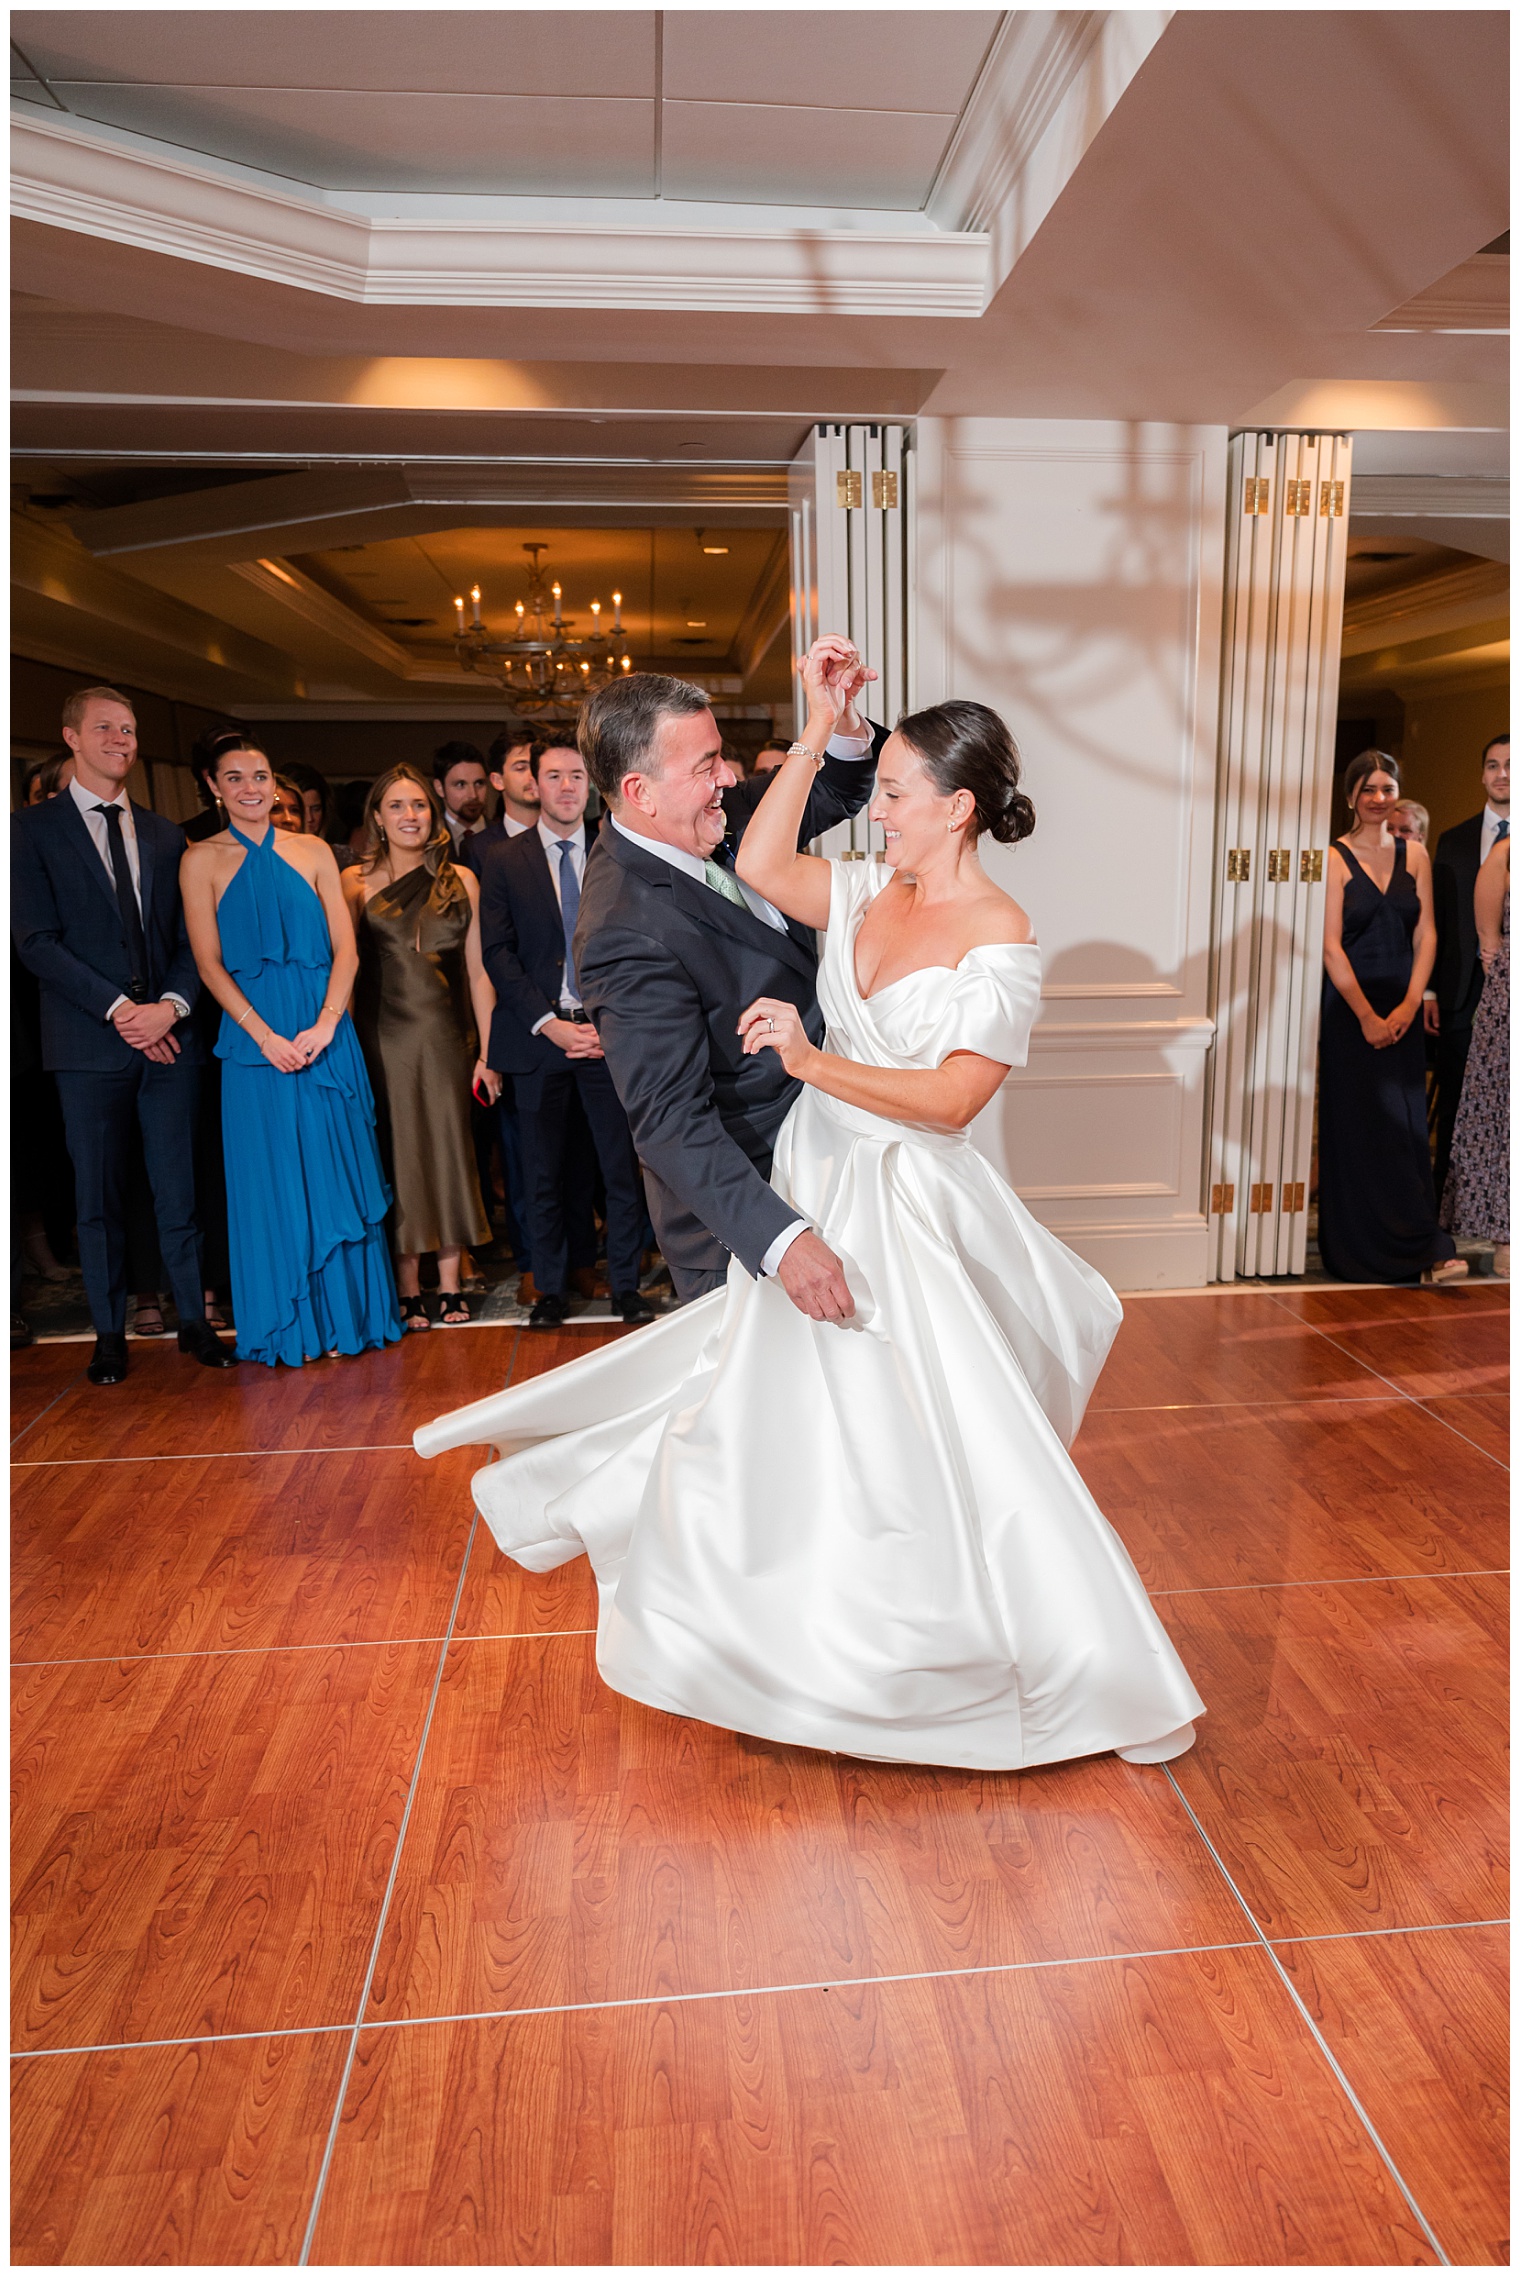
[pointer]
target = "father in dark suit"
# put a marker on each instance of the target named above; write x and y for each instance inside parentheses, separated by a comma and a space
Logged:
(96, 914)
(1457, 981)
(671, 948)
(543, 1037)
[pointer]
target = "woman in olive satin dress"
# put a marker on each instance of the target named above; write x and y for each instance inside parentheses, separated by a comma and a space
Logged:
(422, 1004)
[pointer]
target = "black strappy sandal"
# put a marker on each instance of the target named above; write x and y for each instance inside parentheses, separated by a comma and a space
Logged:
(414, 1314)
(453, 1308)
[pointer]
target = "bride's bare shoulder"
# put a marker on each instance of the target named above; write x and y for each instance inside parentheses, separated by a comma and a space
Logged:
(999, 922)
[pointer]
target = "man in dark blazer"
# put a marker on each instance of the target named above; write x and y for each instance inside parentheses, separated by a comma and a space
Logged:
(670, 948)
(96, 915)
(1457, 981)
(543, 1037)
(510, 763)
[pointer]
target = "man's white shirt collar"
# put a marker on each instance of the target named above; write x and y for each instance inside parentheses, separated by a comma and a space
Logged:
(677, 856)
(88, 800)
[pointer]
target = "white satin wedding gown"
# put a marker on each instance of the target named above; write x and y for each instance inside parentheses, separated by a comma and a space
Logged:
(867, 1539)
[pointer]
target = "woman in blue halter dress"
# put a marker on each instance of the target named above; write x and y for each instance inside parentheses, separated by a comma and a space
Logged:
(307, 1197)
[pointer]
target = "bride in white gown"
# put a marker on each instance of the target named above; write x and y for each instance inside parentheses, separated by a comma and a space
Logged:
(866, 1537)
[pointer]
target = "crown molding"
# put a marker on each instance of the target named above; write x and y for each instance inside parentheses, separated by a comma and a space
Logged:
(66, 178)
(1049, 81)
(283, 582)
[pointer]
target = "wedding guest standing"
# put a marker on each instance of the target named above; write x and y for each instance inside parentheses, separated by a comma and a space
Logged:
(1475, 1203)
(288, 812)
(314, 797)
(530, 899)
(511, 757)
(424, 1003)
(96, 915)
(1457, 981)
(1409, 819)
(459, 782)
(275, 947)
(1377, 1205)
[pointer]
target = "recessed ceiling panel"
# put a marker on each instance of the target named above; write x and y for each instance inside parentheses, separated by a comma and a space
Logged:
(489, 51)
(912, 59)
(510, 145)
(766, 156)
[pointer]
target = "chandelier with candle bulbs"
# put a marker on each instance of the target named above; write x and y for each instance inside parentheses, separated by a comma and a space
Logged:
(548, 665)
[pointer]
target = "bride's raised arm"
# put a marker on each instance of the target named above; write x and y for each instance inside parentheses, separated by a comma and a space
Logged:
(768, 858)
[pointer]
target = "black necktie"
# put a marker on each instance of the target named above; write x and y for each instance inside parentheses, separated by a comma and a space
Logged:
(126, 902)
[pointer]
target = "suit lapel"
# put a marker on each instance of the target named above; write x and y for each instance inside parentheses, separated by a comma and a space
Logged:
(76, 831)
(737, 922)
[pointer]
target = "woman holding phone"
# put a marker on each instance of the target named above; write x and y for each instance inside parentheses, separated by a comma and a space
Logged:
(422, 1004)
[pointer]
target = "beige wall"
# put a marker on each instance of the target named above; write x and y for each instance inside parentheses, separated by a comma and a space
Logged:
(1444, 736)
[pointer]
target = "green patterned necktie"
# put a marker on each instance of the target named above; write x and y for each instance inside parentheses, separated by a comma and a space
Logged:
(722, 882)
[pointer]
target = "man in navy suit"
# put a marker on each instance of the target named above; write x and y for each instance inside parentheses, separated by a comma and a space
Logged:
(530, 891)
(95, 910)
(1457, 981)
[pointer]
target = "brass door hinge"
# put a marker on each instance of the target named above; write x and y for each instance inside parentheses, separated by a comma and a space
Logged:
(1261, 1200)
(1293, 1199)
(1311, 866)
(1221, 1200)
(1258, 494)
(849, 487)
(1299, 498)
(884, 490)
(1237, 866)
(1332, 498)
(1279, 865)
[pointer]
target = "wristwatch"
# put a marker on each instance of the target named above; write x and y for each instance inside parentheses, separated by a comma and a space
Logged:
(795, 749)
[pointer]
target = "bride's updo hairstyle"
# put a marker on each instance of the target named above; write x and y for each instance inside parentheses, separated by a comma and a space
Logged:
(964, 746)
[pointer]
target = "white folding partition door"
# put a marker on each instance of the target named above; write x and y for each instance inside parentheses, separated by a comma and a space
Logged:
(852, 570)
(1285, 569)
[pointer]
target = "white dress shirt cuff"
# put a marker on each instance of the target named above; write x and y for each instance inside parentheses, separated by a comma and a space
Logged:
(779, 1247)
(542, 1023)
(169, 997)
(849, 746)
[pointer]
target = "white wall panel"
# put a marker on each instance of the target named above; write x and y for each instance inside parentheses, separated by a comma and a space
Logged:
(1069, 574)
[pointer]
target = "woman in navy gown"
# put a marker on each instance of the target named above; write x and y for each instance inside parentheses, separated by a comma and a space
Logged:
(1377, 1203)
(274, 945)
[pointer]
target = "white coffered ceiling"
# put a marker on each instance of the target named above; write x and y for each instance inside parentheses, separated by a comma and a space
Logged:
(764, 107)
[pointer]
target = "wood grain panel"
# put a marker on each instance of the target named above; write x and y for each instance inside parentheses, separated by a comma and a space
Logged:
(1433, 1358)
(500, 1599)
(265, 1550)
(1171, 2110)
(1483, 1418)
(1335, 1307)
(37, 1377)
(169, 1405)
(205, 2154)
(1210, 1497)
(567, 1844)
(1194, 1350)
(1420, 2026)
(201, 1845)
(1352, 1767)
(539, 1349)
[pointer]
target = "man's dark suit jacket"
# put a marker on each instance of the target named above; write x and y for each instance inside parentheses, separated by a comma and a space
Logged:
(1458, 976)
(665, 966)
(523, 943)
(68, 931)
(476, 846)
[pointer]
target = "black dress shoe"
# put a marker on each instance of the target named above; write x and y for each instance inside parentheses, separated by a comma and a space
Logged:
(109, 1364)
(549, 1312)
(200, 1342)
(633, 1311)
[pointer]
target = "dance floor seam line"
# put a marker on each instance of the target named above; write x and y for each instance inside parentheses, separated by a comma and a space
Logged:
(383, 1914)
(1396, 1388)
(748, 1991)
(1312, 2027)
(336, 1644)
(1393, 1395)
(61, 1393)
(550, 1635)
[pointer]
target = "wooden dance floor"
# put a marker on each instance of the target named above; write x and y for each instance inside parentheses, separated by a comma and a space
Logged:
(356, 1921)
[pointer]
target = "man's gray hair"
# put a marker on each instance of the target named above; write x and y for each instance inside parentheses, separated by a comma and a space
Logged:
(620, 726)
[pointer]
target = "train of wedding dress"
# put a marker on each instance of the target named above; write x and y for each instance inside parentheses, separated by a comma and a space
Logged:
(868, 1539)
